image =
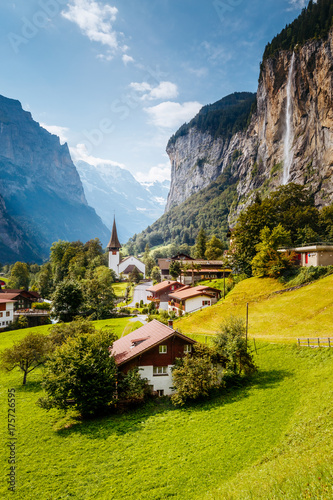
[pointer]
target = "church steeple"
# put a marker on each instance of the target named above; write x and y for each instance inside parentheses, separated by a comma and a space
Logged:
(114, 242)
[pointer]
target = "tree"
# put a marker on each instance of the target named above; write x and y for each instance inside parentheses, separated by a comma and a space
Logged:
(19, 276)
(175, 269)
(98, 293)
(214, 249)
(200, 244)
(230, 344)
(61, 332)
(193, 377)
(135, 276)
(156, 274)
(67, 300)
(268, 261)
(44, 281)
(27, 354)
(131, 386)
(81, 374)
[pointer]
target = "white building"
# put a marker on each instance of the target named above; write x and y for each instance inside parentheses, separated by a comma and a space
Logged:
(6, 312)
(190, 299)
(127, 265)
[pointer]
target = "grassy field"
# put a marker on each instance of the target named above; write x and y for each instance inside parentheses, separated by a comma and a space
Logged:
(272, 439)
(120, 288)
(306, 312)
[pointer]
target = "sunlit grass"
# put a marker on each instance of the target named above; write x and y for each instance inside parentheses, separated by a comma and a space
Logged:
(306, 312)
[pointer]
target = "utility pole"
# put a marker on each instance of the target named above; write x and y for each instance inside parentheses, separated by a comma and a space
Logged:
(247, 322)
(223, 283)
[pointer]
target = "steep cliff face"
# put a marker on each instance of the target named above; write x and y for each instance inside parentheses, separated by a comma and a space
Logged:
(42, 195)
(289, 137)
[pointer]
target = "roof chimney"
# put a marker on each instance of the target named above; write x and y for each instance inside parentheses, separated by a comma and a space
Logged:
(170, 323)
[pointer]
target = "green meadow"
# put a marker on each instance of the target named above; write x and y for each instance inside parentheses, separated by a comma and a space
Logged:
(271, 438)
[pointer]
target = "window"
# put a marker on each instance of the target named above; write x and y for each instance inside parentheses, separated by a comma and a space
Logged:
(7, 313)
(160, 370)
(162, 349)
(206, 302)
(160, 392)
(1, 314)
(187, 348)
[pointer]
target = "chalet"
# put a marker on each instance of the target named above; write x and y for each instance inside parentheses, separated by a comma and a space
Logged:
(159, 293)
(319, 254)
(22, 300)
(6, 312)
(164, 264)
(152, 348)
(190, 299)
(127, 265)
(198, 270)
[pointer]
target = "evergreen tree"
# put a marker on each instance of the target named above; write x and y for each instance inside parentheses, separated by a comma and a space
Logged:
(200, 244)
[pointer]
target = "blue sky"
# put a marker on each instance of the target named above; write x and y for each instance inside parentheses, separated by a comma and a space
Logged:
(116, 78)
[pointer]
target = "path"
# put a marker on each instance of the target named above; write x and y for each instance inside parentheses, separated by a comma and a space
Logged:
(140, 293)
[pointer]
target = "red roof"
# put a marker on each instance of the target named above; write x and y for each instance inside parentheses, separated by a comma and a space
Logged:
(9, 296)
(196, 291)
(5, 301)
(142, 339)
(162, 286)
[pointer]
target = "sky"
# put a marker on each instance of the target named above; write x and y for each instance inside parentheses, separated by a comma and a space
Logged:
(116, 78)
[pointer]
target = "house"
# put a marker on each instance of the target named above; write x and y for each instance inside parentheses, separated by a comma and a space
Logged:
(319, 254)
(198, 270)
(126, 265)
(164, 264)
(6, 312)
(159, 293)
(190, 299)
(152, 348)
(23, 300)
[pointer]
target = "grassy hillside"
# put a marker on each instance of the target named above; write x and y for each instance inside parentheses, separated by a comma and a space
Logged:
(305, 312)
(272, 439)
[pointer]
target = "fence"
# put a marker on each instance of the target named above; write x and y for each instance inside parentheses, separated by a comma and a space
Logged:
(316, 342)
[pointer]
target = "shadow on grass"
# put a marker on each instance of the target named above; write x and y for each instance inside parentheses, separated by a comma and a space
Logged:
(134, 419)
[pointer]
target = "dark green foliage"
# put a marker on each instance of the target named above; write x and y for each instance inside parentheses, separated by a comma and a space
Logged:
(292, 206)
(200, 244)
(81, 374)
(314, 21)
(61, 332)
(27, 354)
(135, 276)
(221, 119)
(67, 300)
(230, 343)
(131, 386)
(19, 276)
(175, 269)
(308, 274)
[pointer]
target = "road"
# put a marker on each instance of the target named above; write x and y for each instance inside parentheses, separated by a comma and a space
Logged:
(140, 293)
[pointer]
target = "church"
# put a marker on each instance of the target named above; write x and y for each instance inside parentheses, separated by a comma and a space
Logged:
(125, 266)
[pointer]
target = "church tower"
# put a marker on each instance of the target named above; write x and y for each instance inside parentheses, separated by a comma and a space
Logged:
(114, 246)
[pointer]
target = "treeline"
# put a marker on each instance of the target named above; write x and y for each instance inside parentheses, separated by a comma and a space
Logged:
(208, 209)
(314, 21)
(288, 217)
(223, 118)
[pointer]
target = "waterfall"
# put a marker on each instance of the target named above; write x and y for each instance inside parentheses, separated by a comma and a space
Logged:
(287, 158)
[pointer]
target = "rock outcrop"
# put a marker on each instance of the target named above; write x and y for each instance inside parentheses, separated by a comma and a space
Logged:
(289, 137)
(42, 195)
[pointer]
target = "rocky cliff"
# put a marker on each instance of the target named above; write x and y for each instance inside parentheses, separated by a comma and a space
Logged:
(42, 198)
(289, 136)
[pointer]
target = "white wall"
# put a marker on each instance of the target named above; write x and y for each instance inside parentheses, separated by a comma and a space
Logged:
(159, 382)
(132, 261)
(114, 261)
(196, 303)
(4, 319)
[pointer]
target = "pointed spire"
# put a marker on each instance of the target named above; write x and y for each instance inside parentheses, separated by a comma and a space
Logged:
(114, 242)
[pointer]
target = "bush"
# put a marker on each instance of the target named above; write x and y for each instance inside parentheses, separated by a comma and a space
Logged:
(45, 306)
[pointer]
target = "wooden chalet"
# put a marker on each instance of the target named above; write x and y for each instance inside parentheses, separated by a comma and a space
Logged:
(190, 299)
(159, 293)
(152, 348)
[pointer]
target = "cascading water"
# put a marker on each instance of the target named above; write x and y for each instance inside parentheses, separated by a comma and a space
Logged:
(287, 158)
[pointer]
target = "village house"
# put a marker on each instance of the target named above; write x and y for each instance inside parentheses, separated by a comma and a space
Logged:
(159, 293)
(319, 254)
(6, 312)
(198, 270)
(190, 299)
(152, 348)
(127, 265)
(164, 264)
(22, 306)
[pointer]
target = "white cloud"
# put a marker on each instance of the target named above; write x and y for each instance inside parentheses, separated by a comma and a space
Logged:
(164, 90)
(80, 153)
(61, 132)
(172, 114)
(162, 172)
(127, 59)
(95, 21)
(297, 4)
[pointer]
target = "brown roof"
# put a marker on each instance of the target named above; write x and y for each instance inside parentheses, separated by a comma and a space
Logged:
(142, 339)
(130, 269)
(161, 286)
(114, 242)
(164, 263)
(9, 296)
(195, 291)
(5, 301)
(25, 293)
